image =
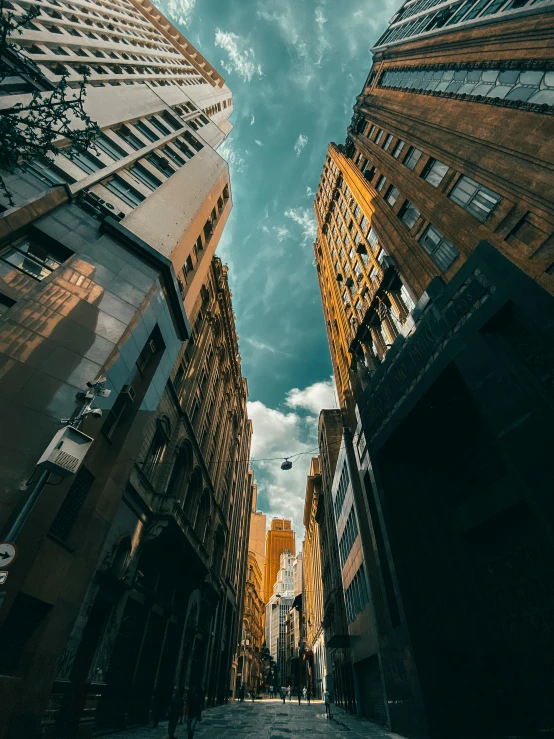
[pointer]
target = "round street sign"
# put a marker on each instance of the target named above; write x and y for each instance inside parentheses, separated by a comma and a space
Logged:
(8, 552)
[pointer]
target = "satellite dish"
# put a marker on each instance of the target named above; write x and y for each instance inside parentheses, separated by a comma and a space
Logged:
(286, 465)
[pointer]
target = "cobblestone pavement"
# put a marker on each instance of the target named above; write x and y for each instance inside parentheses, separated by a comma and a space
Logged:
(269, 719)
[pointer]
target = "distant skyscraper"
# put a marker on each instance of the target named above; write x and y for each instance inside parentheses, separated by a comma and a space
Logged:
(277, 610)
(280, 538)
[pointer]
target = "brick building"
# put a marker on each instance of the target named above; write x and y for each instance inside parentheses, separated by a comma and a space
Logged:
(435, 256)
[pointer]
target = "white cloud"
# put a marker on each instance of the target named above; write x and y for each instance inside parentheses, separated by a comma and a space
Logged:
(181, 11)
(301, 142)
(314, 398)
(257, 141)
(232, 156)
(242, 59)
(309, 192)
(281, 233)
(262, 346)
(279, 434)
(306, 220)
(252, 120)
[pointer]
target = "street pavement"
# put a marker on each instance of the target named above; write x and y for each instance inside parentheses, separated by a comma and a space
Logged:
(269, 719)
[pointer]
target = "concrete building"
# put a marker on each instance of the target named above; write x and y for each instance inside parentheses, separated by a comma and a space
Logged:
(125, 584)
(276, 613)
(315, 651)
(280, 538)
(434, 253)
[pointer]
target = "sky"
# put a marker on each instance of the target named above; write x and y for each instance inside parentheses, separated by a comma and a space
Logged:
(294, 68)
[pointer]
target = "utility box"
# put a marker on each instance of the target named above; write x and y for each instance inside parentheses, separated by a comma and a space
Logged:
(65, 452)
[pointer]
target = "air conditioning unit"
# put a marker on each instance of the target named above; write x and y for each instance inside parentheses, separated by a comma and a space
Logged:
(66, 452)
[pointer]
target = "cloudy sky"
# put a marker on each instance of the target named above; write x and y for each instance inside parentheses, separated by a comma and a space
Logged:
(295, 68)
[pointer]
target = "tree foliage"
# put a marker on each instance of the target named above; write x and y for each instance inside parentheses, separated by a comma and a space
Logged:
(29, 130)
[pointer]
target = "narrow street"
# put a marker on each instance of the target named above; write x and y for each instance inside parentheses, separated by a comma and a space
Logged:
(269, 719)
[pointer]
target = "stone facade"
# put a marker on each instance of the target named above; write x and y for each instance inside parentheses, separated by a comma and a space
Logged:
(279, 538)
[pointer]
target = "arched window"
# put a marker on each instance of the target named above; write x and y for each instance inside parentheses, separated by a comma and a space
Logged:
(182, 466)
(158, 448)
(202, 515)
(193, 495)
(121, 558)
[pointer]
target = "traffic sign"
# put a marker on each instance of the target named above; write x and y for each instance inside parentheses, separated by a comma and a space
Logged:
(3, 577)
(8, 552)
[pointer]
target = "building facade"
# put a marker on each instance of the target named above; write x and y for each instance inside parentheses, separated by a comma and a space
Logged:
(276, 614)
(434, 253)
(125, 585)
(315, 651)
(280, 538)
(251, 669)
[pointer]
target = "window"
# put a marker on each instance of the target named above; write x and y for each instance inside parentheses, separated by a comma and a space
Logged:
(5, 304)
(110, 148)
(434, 172)
(145, 176)
(371, 130)
(381, 183)
(35, 258)
(160, 163)
(387, 142)
(164, 130)
(412, 157)
(379, 136)
(183, 147)
(83, 159)
(173, 156)
(398, 149)
(175, 123)
(392, 195)
(129, 138)
(123, 190)
(441, 251)
(408, 214)
(364, 225)
(158, 447)
(188, 265)
(45, 171)
(193, 141)
(146, 131)
(475, 198)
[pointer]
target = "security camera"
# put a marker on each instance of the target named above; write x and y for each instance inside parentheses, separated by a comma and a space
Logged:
(96, 413)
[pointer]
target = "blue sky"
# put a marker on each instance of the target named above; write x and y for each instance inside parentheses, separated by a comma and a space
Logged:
(295, 68)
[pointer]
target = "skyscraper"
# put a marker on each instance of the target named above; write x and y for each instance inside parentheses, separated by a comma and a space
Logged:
(435, 258)
(280, 538)
(107, 272)
(276, 613)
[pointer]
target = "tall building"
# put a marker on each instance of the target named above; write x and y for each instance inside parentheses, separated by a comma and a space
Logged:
(435, 257)
(131, 572)
(276, 613)
(280, 538)
(315, 649)
(256, 543)
(250, 665)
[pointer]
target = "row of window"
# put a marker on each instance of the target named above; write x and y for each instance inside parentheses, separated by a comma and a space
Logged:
(356, 595)
(349, 536)
(525, 85)
(341, 491)
(453, 14)
(473, 197)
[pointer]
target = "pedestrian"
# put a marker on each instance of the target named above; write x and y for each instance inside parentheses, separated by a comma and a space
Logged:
(305, 692)
(241, 694)
(194, 708)
(309, 695)
(327, 701)
(283, 693)
(158, 707)
(253, 694)
(289, 692)
(174, 711)
(299, 694)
